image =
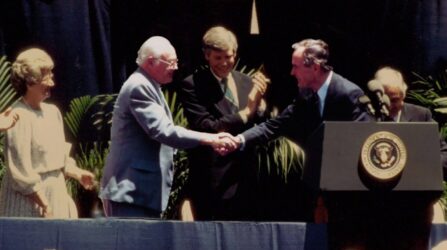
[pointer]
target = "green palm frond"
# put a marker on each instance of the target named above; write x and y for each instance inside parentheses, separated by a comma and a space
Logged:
(7, 93)
(102, 117)
(431, 92)
(282, 156)
(7, 97)
(176, 109)
(78, 109)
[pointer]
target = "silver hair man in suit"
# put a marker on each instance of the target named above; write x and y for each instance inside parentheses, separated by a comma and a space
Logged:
(324, 96)
(139, 168)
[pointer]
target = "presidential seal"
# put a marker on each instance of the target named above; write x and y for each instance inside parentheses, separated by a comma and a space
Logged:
(383, 156)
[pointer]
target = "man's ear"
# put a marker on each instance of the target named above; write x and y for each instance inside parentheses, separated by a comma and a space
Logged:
(207, 53)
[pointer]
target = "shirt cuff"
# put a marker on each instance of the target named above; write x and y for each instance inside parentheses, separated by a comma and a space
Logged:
(242, 140)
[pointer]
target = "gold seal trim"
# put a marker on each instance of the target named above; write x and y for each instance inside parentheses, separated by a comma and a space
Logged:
(383, 155)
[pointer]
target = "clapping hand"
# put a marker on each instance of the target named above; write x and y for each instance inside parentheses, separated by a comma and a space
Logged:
(8, 119)
(260, 83)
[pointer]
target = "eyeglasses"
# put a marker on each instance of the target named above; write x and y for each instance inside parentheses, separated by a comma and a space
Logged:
(171, 63)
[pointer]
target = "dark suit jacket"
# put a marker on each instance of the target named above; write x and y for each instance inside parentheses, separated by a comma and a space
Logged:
(414, 113)
(214, 178)
(298, 121)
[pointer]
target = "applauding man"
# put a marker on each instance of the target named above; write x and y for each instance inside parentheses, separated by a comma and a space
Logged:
(217, 98)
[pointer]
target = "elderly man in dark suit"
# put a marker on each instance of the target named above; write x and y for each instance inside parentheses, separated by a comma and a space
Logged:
(324, 96)
(215, 99)
(138, 172)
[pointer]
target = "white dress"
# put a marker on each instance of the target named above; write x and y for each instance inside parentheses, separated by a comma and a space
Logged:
(36, 156)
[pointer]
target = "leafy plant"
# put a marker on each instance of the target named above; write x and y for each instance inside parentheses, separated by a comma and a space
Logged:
(91, 149)
(431, 92)
(7, 97)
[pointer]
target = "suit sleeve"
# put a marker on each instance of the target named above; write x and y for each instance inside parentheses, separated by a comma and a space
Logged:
(18, 153)
(152, 117)
(199, 116)
(272, 128)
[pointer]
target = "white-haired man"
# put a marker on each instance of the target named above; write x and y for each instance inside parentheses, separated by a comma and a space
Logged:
(138, 172)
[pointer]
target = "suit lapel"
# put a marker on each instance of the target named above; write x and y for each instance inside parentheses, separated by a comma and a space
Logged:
(405, 115)
(243, 89)
(156, 89)
(330, 96)
(221, 103)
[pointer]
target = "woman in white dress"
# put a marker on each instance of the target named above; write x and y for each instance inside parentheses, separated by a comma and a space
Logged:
(37, 160)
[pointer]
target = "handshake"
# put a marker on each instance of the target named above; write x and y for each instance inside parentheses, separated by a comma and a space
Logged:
(223, 143)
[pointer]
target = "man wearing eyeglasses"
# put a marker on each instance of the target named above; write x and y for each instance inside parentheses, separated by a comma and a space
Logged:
(217, 98)
(138, 172)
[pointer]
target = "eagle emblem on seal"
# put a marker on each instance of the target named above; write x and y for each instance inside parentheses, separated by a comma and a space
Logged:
(383, 155)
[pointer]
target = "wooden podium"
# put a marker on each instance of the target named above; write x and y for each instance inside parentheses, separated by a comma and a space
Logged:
(378, 181)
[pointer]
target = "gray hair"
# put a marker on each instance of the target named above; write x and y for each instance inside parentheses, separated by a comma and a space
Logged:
(390, 77)
(153, 47)
(315, 52)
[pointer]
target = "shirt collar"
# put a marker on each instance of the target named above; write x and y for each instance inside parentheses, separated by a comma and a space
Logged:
(322, 92)
(219, 79)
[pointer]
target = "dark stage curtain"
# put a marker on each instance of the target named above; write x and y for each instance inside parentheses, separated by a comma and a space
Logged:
(94, 42)
(76, 33)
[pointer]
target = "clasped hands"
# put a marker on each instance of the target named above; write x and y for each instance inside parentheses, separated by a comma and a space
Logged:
(224, 143)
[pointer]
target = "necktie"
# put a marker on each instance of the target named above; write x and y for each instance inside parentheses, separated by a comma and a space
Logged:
(315, 104)
(227, 91)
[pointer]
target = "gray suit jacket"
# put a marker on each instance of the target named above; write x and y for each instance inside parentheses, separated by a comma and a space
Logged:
(414, 113)
(139, 167)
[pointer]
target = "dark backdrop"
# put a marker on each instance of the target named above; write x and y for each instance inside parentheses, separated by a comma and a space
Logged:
(94, 42)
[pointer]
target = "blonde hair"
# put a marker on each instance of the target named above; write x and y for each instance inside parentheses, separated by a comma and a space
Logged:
(219, 38)
(29, 68)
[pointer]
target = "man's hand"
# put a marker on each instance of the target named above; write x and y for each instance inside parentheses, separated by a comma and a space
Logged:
(8, 119)
(228, 144)
(260, 83)
(222, 143)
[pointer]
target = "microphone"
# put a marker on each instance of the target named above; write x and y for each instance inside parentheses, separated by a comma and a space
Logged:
(366, 103)
(384, 109)
(376, 87)
(383, 101)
